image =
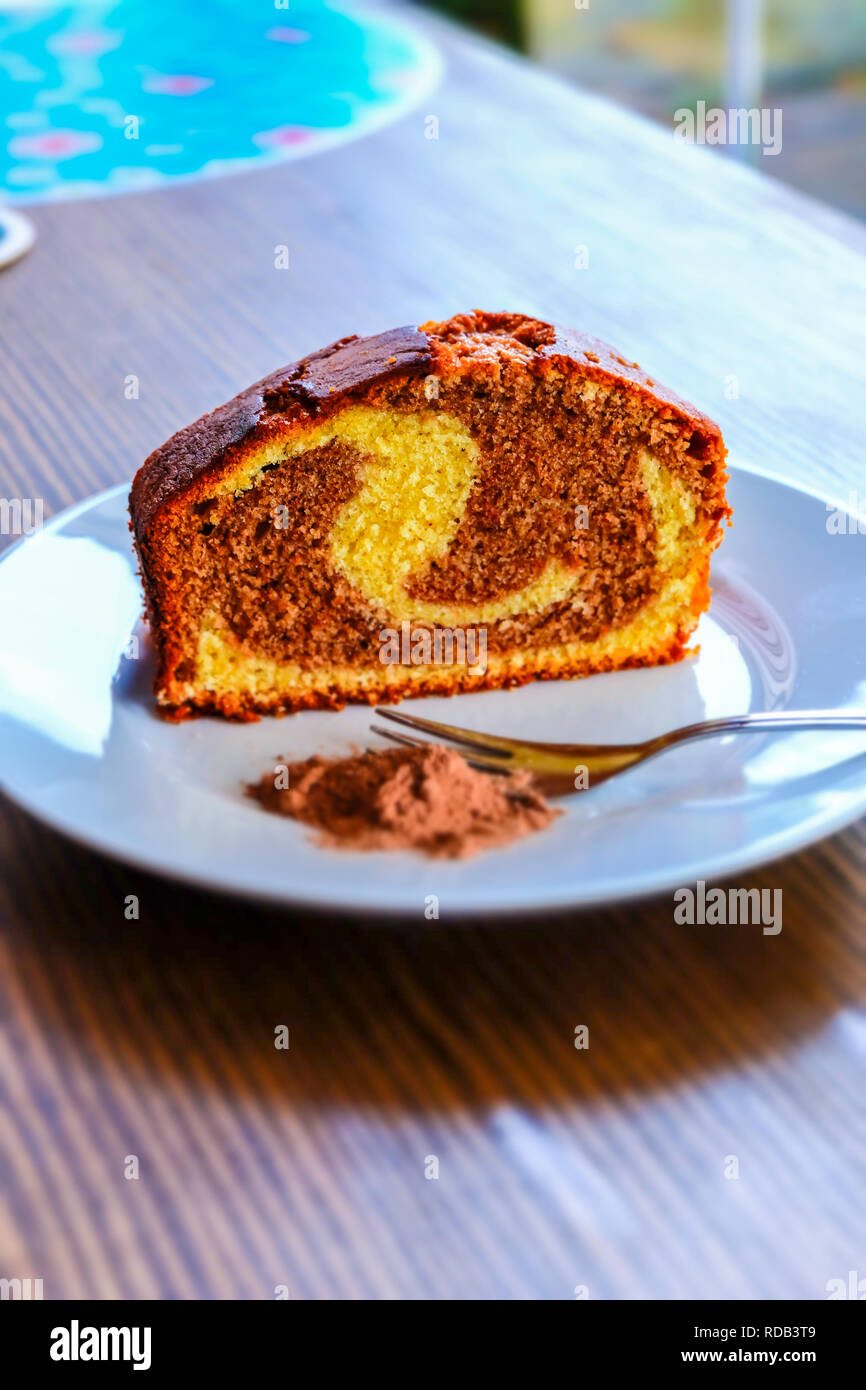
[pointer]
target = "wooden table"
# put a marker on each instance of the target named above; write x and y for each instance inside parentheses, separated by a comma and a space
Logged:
(557, 1168)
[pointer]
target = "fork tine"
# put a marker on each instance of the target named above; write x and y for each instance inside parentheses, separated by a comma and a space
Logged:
(480, 760)
(499, 747)
(399, 738)
(557, 762)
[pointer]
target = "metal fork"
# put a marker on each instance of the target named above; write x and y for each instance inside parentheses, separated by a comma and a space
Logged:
(562, 768)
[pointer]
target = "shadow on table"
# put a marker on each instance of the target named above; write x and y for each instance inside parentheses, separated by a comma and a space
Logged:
(424, 1016)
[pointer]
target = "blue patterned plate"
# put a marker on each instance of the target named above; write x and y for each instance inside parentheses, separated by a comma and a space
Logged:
(113, 97)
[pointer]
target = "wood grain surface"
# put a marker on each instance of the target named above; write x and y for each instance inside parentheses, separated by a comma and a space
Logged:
(559, 1169)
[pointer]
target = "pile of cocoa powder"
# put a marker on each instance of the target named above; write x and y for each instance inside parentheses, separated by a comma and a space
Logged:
(425, 798)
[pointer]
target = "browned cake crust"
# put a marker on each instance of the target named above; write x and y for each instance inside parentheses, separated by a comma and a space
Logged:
(524, 391)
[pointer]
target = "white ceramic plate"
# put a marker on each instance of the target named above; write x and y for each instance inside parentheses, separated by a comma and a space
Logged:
(82, 749)
(17, 235)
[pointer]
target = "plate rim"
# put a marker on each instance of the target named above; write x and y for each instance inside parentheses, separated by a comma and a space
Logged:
(771, 849)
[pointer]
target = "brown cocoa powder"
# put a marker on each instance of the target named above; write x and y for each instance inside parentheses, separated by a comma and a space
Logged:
(426, 799)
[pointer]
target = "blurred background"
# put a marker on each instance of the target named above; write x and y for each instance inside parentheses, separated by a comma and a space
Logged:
(807, 57)
(303, 74)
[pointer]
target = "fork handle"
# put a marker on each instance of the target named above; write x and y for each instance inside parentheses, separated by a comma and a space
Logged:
(773, 719)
